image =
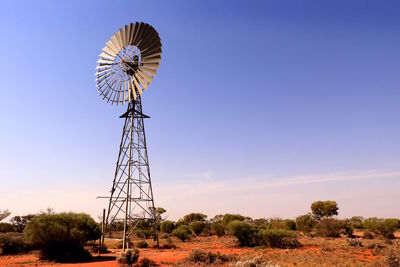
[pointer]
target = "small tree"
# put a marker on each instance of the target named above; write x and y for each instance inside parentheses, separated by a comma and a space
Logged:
(167, 226)
(192, 217)
(218, 228)
(19, 222)
(61, 236)
(305, 222)
(324, 209)
(182, 232)
(242, 231)
(232, 217)
(197, 227)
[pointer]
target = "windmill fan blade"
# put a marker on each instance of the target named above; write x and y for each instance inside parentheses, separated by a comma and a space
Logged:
(145, 77)
(142, 83)
(150, 65)
(112, 47)
(106, 55)
(149, 71)
(123, 34)
(137, 86)
(128, 62)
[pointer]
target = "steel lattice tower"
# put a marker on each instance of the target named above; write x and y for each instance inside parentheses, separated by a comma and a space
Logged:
(126, 67)
(131, 192)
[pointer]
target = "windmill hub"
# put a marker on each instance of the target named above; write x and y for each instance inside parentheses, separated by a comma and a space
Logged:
(130, 67)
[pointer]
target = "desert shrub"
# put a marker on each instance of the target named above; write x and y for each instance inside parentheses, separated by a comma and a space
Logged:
(167, 226)
(356, 222)
(290, 224)
(277, 223)
(260, 223)
(393, 259)
(354, 242)
(6, 227)
(146, 262)
(180, 222)
(169, 244)
(12, 243)
(369, 234)
(218, 228)
(182, 232)
(128, 257)
(61, 237)
(142, 244)
(324, 209)
(192, 217)
(243, 231)
(197, 227)
(305, 223)
(330, 227)
(200, 256)
(253, 262)
(19, 222)
(144, 233)
(232, 217)
(279, 238)
(384, 227)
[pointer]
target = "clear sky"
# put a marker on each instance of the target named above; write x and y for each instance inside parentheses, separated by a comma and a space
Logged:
(258, 108)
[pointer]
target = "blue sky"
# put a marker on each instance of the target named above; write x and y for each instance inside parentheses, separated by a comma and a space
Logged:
(259, 107)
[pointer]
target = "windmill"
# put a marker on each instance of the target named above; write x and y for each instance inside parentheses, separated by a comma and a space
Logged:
(126, 67)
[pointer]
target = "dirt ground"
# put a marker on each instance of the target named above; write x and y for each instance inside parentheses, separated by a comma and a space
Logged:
(314, 252)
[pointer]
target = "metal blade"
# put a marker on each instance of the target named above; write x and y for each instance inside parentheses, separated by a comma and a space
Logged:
(149, 71)
(141, 81)
(127, 31)
(151, 65)
(137, 30)
(118, 34)
(133, 90)
(105, 61)
(106, 55)
(137, 85)
(144, 76)
(115, 42)
(112, 47)
(152, 56)
(132, 32)
(156, 60)
(123, 34)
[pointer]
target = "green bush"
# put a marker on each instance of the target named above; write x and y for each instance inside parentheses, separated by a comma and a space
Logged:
(192, 217)
(144, 233)
(197, 227)
(182, 232)
(243, 231)
(199, 256)
(61, 237)
(218, 228)
(384, 227)
(12, 243)
(330, 227)
(128, 257)
(6, 227)
(279, 238)
(277, 223)
(305, 223)
(167, 226)
(146, 262)
(142, 244)
(232, 217)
